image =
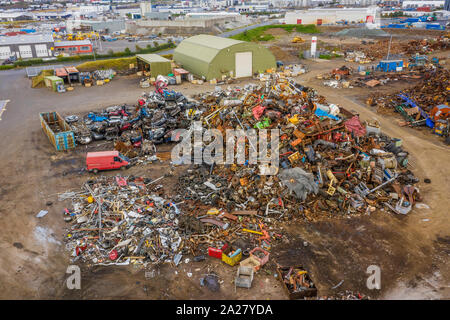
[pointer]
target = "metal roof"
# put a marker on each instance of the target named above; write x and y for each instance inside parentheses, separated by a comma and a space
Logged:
(150, 58)
(34, 71)
(26, 39)
(212, 42)
(61, 72)
(72, 43)
(72, 70)
(205, 47)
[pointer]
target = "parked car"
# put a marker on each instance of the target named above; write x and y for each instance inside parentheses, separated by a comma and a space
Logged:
(10, 60)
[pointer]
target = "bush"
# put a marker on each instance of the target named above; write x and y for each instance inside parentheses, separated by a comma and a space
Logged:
(27, 63)
(7, 67)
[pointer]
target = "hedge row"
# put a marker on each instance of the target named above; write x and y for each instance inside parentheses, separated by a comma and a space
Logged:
(120, 54)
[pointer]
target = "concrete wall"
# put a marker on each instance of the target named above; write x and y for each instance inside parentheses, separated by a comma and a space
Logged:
(185, 26)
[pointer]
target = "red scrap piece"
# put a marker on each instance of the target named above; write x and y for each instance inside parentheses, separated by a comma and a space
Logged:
(113, 255)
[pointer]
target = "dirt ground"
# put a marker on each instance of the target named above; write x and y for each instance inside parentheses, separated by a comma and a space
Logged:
(412, 251)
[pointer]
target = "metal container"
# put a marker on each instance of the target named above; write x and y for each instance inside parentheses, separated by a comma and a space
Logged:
(57, 130)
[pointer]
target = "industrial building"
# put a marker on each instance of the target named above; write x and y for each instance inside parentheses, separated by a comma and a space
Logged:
(423, 3)
(212, 57)
(26, 46)
(333, 15)
(73, 47)
(15, 16)
(108, 26)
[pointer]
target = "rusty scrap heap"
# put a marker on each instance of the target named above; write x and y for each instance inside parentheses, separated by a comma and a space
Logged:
(424, 104)
(379, 49)
(431, 91)
(330, 165)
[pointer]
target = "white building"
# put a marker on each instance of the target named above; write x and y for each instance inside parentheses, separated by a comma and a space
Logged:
(15, 16)
(423, 3)
(146, 7)
(370, 15)
(362, 3)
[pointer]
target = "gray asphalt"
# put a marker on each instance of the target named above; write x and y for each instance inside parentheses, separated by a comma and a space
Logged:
(234, 32)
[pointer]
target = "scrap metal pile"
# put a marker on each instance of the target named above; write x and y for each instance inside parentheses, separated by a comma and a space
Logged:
(424, 104)
(122, 220)
(135, 129)
(378, 50)
(331, 165)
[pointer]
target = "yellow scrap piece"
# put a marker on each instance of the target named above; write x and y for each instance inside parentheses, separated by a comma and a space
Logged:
(252, 231)
(213, 211)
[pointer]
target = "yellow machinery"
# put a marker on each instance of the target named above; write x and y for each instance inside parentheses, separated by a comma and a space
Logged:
(82, 36)
(297, 40)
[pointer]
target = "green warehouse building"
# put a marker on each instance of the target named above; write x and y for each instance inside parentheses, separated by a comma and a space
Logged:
(211, 57)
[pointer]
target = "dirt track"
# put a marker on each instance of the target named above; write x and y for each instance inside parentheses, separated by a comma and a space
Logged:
(412, 253)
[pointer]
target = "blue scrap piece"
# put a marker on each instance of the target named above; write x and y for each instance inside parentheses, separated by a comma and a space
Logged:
(321, 113)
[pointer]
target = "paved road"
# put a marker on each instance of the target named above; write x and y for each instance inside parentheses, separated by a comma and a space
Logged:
(233, 32)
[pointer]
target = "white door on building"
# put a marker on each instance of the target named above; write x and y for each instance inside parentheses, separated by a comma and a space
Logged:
(41, 50)
(5, 53)
(25, 52)
(243, 64)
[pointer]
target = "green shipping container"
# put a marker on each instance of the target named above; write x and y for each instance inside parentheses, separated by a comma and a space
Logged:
(53, 82)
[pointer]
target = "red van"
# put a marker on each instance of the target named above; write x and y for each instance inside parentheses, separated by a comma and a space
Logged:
(106, 160)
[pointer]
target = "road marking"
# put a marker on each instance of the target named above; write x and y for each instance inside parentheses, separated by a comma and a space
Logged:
(2, 107)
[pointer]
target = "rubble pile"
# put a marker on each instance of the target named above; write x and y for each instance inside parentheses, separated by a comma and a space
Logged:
(361, 33)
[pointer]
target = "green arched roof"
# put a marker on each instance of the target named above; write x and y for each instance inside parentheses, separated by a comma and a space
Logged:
(204, 47)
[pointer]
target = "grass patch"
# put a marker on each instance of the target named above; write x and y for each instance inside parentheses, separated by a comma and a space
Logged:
(120, 64)
(257, 34)
(329, 56)
(38, 81)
